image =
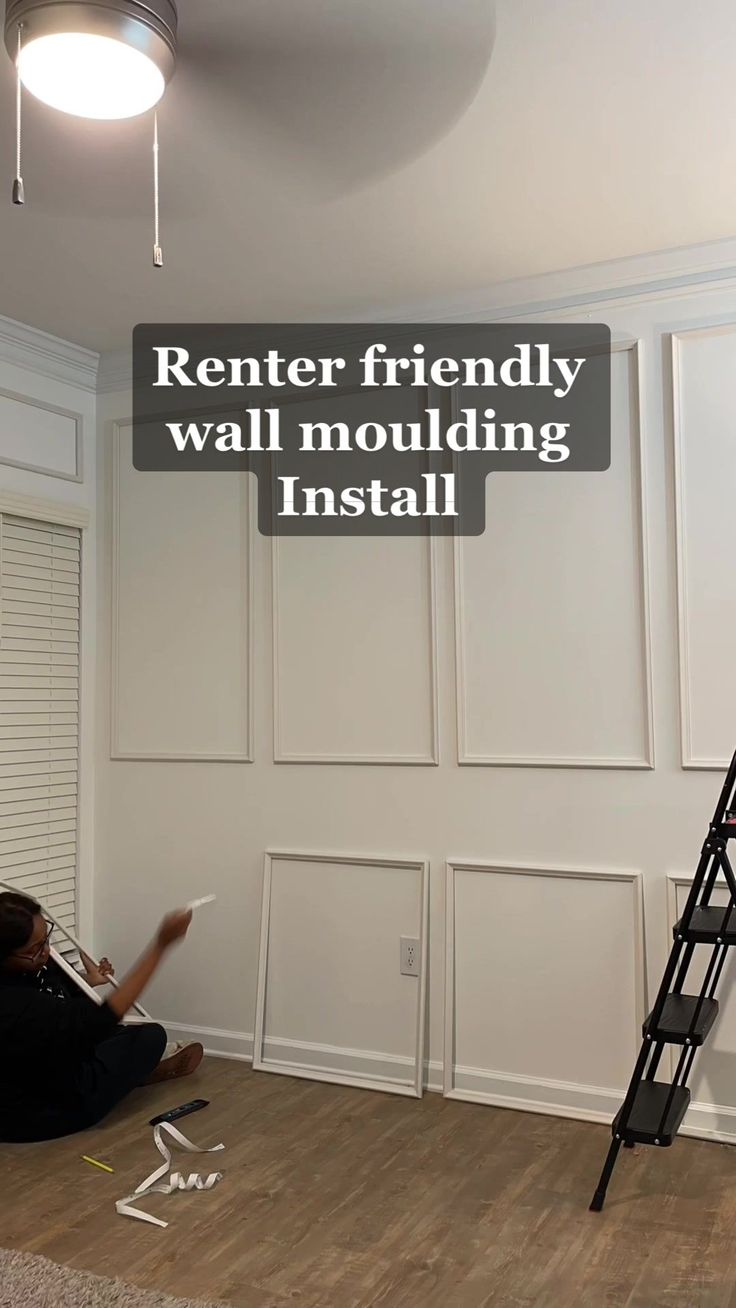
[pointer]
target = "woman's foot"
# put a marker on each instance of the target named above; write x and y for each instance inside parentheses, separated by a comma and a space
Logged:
(182, 1063)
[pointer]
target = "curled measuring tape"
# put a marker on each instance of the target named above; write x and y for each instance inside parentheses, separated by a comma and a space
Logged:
(155, 1183)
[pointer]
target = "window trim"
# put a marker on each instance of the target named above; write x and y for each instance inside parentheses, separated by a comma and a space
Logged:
(51, 511)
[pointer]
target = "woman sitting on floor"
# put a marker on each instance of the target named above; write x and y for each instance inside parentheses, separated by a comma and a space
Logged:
(65, 1061)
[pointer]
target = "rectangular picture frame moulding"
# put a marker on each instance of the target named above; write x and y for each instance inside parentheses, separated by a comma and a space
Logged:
(246, 753)
(544, 1100)
(413, 1089)
(634, 349)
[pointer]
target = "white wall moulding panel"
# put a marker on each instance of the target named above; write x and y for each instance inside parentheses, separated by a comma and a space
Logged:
(182, 661)
(544, 986)
(553, 648)
(704, 414)
(355, 645)
(712, 1112)
(332, 1004)
(40, 437)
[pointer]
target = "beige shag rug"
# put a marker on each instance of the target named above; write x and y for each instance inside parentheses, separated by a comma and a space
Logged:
(27, 1281)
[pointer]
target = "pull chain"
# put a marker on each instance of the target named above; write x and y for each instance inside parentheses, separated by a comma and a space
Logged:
(18, 192)
(158, 257)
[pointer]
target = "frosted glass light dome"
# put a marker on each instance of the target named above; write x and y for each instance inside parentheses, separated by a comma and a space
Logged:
(89, 75)
(93, 58)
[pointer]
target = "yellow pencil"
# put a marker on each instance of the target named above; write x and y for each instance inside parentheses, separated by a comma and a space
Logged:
(95, 1163)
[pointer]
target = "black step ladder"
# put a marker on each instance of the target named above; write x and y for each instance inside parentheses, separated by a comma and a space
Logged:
(652, 1111)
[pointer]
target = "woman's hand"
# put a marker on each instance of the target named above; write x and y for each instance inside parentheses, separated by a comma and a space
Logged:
(97, 974)
(174, 927)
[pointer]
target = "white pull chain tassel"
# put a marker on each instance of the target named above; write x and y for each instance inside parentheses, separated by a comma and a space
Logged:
(18, 192)
(158, 258)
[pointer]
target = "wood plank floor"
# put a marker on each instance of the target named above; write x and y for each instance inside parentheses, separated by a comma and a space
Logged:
(341, 1198)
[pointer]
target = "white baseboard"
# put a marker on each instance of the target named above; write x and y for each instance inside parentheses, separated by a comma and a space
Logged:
(365, 1064)
(529, 1094)
(710, 1122)
(217, 1042)
(582, 1102)
(472, 1084)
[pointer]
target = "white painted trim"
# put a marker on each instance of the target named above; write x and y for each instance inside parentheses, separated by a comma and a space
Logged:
(535, 761)
(503, 1089)
(525, 1094)
(238, 1046)
(217, 1042)
(615, 282)
(48, 356)
(29, 506)
(680, 564)
(475, 1085)
(78, 420)
(247, 542)
(315, 1072)
(645, 763)
(520, 1094)
(710, 1122)
(675, 879)
(711, 327)
(115, 371)
(303, 1054)
(398, 760)
(637, 348)
(87, 770)
(664, 274)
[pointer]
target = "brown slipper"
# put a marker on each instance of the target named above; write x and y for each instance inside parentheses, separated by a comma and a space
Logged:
(185, 1061)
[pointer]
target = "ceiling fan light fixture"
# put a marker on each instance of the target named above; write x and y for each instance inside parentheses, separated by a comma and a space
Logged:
(90, 76)
(105, 59)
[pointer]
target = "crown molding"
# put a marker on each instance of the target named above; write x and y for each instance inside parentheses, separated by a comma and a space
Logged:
(49, 356)
(629, 278)
(115, 372)
(613, 281)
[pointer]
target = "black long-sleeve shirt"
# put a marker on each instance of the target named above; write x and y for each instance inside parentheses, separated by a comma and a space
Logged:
(46, 1034)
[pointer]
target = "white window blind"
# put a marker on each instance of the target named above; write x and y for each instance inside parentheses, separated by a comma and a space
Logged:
(39, 710)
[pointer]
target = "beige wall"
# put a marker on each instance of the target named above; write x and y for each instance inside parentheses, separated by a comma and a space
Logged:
(547, 665)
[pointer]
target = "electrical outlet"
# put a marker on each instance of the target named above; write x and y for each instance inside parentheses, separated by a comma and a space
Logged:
(409, 956)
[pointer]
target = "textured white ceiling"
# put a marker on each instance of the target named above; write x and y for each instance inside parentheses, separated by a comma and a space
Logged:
(327, 156)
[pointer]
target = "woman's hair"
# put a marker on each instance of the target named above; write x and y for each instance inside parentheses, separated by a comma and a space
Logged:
(16, 921)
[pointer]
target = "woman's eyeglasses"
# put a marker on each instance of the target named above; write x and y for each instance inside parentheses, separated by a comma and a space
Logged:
(33, 955)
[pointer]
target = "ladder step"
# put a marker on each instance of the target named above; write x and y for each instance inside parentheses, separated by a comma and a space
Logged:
(677, 1015)
(709, 925)
(646, 1114)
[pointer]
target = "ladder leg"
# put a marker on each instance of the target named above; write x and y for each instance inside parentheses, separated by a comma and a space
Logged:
(654, 1064)
(600, 1195)
(687, 958)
